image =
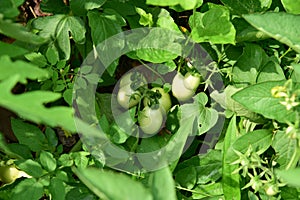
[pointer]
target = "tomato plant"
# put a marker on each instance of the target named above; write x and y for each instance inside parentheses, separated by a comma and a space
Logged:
(149, 99)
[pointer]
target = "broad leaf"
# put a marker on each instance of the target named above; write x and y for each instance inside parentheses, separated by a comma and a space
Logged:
(258, 98)
(212, 26)
(285, 148)
(28, 189)
(11, 50)
(166, 49)
(31, 167)
(104, 25)
(230, 181)
(291, 6)
(184, 4)
(29, 135)
(260, 140)
(20, 69)
(111, 185)
(205, 117)
(281, 26)
(80, 7)
(19, 32)
(57, 28)
(247, 67)
(291, 176)
(247, 6)
(57, 189)
(166, 21)
(48, 161)
(162, 185)
(31, 106)
(9, 8)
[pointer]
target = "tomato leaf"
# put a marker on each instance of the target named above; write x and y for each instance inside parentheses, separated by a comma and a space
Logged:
(205, 117)
(247, 6)
(31, 167)
(28, 189)
(102, 185)
(258, 98)
(20, 69)
(29, 135)
(162, 184)
(213, 26)
(281, 26)
(57, 189)
(80, 8)
(290, 176)
(285, 148)
(291, 6)
(31, 105)
(230, 181)
(19, 32)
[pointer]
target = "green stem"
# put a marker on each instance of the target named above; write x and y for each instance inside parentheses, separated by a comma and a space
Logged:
(286, 52)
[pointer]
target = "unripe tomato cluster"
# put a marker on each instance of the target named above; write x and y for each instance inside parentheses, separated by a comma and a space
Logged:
(156, 101)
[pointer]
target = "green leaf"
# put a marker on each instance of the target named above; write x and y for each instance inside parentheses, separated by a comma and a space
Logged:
(258, 98)
(285, 149)
(54, 6)
(230, 181)
(80, 159)
(291, 6)
(289, 193)
(104, 184)
(28, 134)
(21, 69)
(73, 25)
(213, 26)
(48, 161)
(30, 105)
(162, 184)
(11, 50)
(9, 8)
(80, 7)
(290, 176)
(58, 28)
(57, 189)
(246, 32)
(157, 52)
(281, 26)
(31, 167)
(247, 6)
(166, 21)
(19, 32)
(145, 18)
(22, 150)
(28, 189)
(104, 25)
(260, 140)
(209, 190)
(226, 101)
(184, 4)
(36, 59)
(205, 117)
(66, 160)
(187, 177)
(247, 67)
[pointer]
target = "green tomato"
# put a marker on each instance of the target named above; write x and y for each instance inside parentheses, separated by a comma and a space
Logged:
(164, 101)
(132, 77)
(179, 90)
(9, 174)
(191, 81)
(150, 120)
(127, 97)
